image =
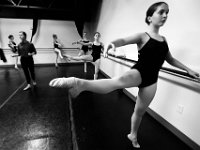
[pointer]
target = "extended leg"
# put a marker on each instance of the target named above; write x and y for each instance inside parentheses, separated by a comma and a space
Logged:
(82, 57)
(16, 61)
(131, 78)
(81, 53)
(56, 62)
(145, 96)
(59, 52)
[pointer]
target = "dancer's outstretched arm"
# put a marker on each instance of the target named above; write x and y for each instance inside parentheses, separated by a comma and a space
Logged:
(76, 42)
(58, 42)
(174, 62)
(85, 44)
(135, 39)
(15, 55)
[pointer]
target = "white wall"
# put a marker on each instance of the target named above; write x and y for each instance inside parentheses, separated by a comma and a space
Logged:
(121, 18)
(13, 26)
(66, 31)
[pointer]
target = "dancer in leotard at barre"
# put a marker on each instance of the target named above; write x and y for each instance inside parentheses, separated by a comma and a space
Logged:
(13, 47)
(57, 48)
(84, 48)
(97, 48)
(153, 51)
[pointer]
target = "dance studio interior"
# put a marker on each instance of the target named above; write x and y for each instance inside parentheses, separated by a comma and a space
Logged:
(97, 75)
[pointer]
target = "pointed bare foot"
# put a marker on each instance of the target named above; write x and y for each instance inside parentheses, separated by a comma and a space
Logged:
(134, 141)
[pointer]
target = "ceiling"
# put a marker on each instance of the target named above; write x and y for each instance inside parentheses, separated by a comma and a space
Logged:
(49, 9)
(46, 4)
(80, 11)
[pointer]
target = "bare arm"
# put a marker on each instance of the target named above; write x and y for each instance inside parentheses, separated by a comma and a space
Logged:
(174, 62)
(15, 55)
(11, 45)
(58, 42)
(135, 39)
(76, 42)
(102, 49)
(85, 44)
(18, 52)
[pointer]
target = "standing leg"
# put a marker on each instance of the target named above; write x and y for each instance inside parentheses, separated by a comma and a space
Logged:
(97, 66)
(16, 61)
(145, 96)
(24, 63)
(56, 63)
(32, 70)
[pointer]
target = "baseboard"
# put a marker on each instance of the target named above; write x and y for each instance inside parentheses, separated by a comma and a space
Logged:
(163, 122)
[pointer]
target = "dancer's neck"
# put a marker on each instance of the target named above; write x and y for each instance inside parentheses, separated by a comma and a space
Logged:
(154, 29)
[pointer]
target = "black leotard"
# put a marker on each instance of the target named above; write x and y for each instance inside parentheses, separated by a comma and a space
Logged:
(150, 59)
(96, 51)
(85, 47)
(56, 45)
(13, 48)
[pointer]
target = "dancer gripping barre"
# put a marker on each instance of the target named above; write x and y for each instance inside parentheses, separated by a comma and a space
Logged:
(57, 48)
(84, 48)
(97, 49)
(144, 74)
(13, 47)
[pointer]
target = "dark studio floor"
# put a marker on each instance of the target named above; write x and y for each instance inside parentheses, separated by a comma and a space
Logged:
(39, 119)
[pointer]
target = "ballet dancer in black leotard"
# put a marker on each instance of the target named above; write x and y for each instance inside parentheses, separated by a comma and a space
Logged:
(57, 48)
(97, 49)
(153, 51)
(13, 47)
(84, 48)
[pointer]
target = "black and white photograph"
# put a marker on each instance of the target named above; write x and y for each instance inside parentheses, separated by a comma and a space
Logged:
(99, 75)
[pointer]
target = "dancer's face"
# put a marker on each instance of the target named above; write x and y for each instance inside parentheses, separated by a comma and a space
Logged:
(12, 38)
(54, 37)
(159, 17)
(97, 36)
